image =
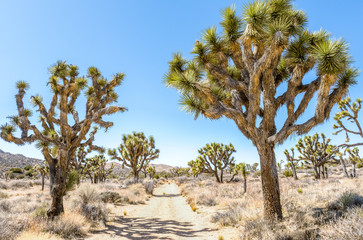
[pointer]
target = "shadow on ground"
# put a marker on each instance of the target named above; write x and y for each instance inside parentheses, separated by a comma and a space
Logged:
(154, 228)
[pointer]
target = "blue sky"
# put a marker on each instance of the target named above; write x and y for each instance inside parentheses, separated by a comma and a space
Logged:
(138, 38)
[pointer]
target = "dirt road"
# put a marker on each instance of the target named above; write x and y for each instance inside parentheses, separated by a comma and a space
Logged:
(165, 216)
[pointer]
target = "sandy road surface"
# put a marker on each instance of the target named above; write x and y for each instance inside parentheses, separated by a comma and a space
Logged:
(165, 216)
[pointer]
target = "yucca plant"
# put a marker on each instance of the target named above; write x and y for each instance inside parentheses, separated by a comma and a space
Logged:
(235, 73)
(135, 151)
(58, 136)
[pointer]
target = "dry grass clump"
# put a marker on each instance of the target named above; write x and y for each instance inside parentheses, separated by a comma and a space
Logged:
(3, 195)
(135, 194)
(88, 202)
(15, 184)
(12, 225)
(349, 227)
(69, 225)
(3, 185)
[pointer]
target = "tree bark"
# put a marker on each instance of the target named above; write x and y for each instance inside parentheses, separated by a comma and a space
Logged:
(353, 170)
(344, 167)
(217, 177)
(293, 171)
(244, 185)
(270, 182)
(58, 178)
(43, 175)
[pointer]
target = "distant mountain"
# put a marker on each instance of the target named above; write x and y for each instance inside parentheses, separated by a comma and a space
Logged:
(9, 160)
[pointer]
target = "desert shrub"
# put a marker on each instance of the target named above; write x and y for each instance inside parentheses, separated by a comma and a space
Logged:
(181, 180)
(72, 180)
(68, 225)
(21, 176)
(31, 173)
(347, 200)
(206, 199)
(4, 185)
(21, 184)
(27, 167)
(360, 165)
(11, 226)
(87, 193)
(16, 170)
(88, 202)
(349, 227)
(287, 173)
(3, 195)
(110, 197)
(133, 181)
(136, 194)
(96, 212)
(5, 205)
(41, 212)
(149, 187)
(230, 217)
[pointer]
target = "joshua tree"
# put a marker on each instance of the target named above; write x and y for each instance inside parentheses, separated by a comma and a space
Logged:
(242, 168)
(95, 168)
(349, 112)
(43, 170)
(292, 161)
(354, 158)
(179, 171)
(59, 136)
(135, 151)
(144, 168)
(236, 74)
(214, 158)
(316, 153)
(151, 171)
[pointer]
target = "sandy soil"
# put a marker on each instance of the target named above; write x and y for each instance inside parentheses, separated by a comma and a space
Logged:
(165, 216)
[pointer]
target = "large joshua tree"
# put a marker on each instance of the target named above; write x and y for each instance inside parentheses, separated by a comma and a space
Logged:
(135, 151)
(237, 74)
(61, 132)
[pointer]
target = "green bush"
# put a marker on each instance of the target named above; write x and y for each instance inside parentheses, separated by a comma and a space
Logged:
(27, 167)
(72, 180)
(360, 165)
(21, 176)
(287, 173)
(30, 173)
(16, 170)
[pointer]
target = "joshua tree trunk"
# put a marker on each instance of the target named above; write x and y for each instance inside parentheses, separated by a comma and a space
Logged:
(43, 175)
(217, 177)
(353, 170)
(316, 173)
(344, 167)
(244, 185)
(58, 177)
(221, 176)
(270, 183)
(293, 171)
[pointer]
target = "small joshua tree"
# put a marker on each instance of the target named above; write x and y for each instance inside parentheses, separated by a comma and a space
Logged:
(348, 112)
(43, 170)
(95, 168)
(58, 136)
(237, 73)
(151, 171)
(354, 159)
(214, 158)
(292, 161)
(316, 153)
(242, 168)
(135, 151)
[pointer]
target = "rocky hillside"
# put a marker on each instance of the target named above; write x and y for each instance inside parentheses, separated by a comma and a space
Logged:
(8, 160)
